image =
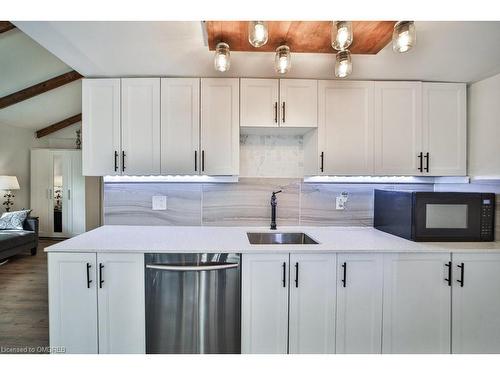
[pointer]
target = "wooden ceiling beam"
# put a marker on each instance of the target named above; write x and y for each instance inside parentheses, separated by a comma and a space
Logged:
(39, 88)
(6, 26)
(59, 125)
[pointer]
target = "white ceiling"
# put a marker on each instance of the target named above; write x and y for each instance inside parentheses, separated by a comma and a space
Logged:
(23, 63)
(445, 51)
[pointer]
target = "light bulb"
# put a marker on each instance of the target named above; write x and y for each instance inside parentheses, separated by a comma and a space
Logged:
(282, 60)
(404, 36)
(343, 64)
(222, 61)
(257, 33)
(341, 35)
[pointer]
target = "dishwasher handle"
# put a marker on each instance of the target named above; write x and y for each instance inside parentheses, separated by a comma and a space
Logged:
(201, 267)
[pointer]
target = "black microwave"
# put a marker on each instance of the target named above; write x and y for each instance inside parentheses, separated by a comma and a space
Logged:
(435, 216)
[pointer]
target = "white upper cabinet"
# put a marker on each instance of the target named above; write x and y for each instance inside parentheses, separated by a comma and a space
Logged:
(259, 102)
(298, 103)
(101, 127)
(220, 126)
(476, 303)
(417, 304)
(345, 129)
(398, 128)
(359, 303)
(264, 311)
(312, 304)
(120, 287)
(444, 129)
(140, 126)
(180, 126)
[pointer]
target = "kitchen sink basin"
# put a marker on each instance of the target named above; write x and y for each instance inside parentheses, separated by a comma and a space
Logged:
(267, 238)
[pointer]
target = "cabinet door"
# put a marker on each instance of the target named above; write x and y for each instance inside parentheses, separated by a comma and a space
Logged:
(101, 126)
(312, 303)
(220, 129)
(445, 128)
(73, 302)
(417, 304)
(41, 190)
(299, 103)
(476, 304)
(121, 303)
(264, 314)
(398, 128)
(140, 126)
(259, 102)
(359, 303)
(345, 131)
(180, 125)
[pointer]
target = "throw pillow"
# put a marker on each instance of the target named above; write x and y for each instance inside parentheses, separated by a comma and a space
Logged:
(14, 220)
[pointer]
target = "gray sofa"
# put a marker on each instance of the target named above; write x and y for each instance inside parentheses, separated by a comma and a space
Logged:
(13, 242)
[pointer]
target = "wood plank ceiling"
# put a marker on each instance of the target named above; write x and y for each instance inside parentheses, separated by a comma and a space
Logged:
(369, 37)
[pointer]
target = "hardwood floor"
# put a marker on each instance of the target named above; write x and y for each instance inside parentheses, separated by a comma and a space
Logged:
(24, 315)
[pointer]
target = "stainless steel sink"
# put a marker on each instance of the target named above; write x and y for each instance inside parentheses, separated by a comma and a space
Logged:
(268, 238)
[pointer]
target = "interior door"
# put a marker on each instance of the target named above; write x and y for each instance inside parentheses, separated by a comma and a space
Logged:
(345, 130)
(299, 103)
(73, 302)
(220, 129)
(359, 303)
(264, 314)
(398, 128)
(476, 303)
(312, 303)
(259, 102)
(41, 189)
(417, 304)
(180, 126)
(140, 126)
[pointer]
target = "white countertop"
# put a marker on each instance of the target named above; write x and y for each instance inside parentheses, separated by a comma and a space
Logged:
(196, 239)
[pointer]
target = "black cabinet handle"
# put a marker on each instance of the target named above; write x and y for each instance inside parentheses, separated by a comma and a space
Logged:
(116, 161)
(448, 280)
(344, 271)
(195, 160)
(101, 280)
(88, 275)
(421, 162)
(322, 157)
(462, 271)
(203, 160)
(284, 275)
(283, 114)
(123, 161)
(276, 112)
(296, 275)
(426, 162)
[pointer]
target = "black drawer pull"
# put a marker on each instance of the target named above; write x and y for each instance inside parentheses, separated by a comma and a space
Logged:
(448, 280)
(101, 280)
(462, 271)
(322, 157)
(276, 112)
(344, 270)
(421, 162)
(203, 160)
(195, 160)
(284, 275)
(283, 115)
(296, 275)
(123, 161)
(426, 162)
(88, 275)
(116, 161)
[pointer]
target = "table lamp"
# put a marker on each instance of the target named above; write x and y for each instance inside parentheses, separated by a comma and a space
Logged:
(8, 183)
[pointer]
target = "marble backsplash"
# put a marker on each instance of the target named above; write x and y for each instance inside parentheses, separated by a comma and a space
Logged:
(245, 203)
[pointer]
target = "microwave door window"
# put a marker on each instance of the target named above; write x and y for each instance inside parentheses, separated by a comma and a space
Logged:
(446, 216)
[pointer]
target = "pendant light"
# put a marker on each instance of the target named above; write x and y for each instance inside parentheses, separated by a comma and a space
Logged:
(257, 33)
(404, 36)
(222, 61)
(282, 60)
(343, 64)
(341, 35)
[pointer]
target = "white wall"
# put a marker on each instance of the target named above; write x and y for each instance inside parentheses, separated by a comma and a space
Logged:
(484, 128)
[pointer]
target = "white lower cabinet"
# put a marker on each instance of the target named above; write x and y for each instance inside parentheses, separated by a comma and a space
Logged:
(312, 304)
(417, 303)
(96, 302)
(267, 310)
(476, 303)
(359, 303)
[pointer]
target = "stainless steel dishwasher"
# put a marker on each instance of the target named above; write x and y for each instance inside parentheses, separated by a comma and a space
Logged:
(193, 303)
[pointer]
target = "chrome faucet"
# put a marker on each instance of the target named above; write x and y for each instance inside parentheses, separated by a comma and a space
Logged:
(274, 203)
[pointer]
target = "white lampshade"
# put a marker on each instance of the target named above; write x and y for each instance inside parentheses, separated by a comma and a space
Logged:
(9, 183)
